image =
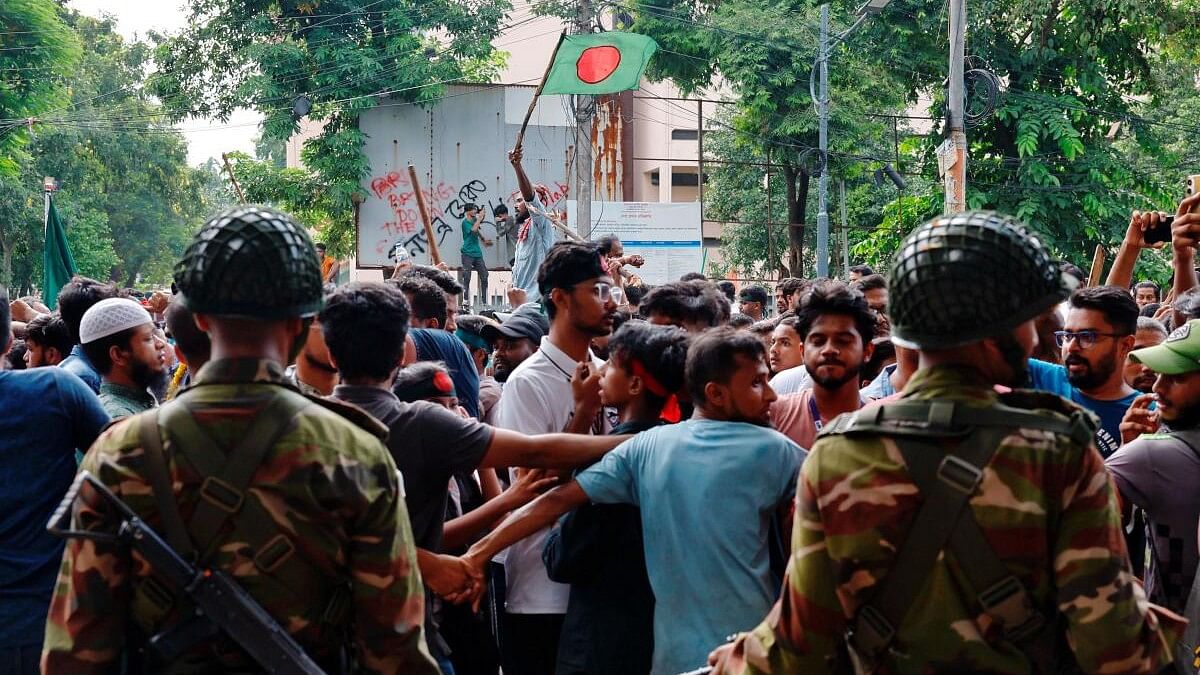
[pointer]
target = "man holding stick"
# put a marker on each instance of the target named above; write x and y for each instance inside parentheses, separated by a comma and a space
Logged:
(535, 234)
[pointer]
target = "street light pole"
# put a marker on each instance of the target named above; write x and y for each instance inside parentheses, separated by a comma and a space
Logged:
(868, 10)
(823, 135)
(956, 149)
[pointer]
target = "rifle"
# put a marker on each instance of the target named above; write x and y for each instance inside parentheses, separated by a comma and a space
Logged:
(221, 604)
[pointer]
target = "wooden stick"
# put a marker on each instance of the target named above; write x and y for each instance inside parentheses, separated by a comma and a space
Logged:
(434, 256)
(537, 94)
(232, 178)
(1097, 266)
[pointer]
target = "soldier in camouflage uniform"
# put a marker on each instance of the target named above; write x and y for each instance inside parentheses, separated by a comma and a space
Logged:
(296, 498)
(960, 530)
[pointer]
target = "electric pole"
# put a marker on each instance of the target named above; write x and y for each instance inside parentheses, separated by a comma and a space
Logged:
(585, 107)
(823, 181)
(845, 230)
(953, 153)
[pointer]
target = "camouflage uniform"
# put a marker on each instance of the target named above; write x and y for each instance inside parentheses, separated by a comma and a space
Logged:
(1045, 505)
(331, 488)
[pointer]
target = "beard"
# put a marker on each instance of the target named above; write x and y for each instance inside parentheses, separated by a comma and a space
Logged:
(825, 382)
(1091, 376)
(501, 375)
(148, 377)
(1144, 383)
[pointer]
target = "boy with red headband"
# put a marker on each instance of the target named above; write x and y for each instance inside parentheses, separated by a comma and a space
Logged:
(597, 548)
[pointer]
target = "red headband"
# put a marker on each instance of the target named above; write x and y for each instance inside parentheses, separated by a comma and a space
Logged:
(670, 410)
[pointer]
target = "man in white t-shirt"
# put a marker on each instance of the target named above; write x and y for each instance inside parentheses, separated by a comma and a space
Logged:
(538, 399)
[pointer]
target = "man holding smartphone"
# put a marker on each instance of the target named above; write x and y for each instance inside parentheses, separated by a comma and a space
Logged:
(472, 255)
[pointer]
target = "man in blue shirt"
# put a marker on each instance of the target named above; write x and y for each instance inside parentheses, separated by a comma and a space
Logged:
(76, 298)
(1098, 336)
(535, 233)
(45, 414)
(707, 488)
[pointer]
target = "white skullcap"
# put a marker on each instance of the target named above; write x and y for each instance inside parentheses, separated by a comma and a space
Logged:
(111, 316)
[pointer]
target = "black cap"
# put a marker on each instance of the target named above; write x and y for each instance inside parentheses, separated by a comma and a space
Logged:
(520, 324)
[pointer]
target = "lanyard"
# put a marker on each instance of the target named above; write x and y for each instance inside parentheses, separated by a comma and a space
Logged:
(816, 414)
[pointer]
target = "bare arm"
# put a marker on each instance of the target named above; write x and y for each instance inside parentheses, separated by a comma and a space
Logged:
(1185, 235)
(535, 516)
(1121, 274)
(548, 451)
(522, 180)
(459, 531)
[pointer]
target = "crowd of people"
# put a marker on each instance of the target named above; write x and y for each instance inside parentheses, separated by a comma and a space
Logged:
(611, 478)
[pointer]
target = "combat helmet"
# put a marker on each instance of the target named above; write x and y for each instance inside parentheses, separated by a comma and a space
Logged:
(251, 261)
(960, 278)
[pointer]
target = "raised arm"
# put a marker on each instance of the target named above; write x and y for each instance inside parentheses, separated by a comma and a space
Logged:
(514, 156)
(1121, 274)
(1185, 235)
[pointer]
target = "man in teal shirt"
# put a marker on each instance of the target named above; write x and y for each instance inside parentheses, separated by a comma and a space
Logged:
(472, 255)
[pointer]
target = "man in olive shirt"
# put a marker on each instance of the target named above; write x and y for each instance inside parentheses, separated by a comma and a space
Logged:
(118, 337)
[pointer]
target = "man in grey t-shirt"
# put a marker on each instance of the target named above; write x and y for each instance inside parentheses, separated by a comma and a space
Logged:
(1158, 472)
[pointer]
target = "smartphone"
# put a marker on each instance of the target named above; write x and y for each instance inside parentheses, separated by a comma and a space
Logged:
(1162, 232)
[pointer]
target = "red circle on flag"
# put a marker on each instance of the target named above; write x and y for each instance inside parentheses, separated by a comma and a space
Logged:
(595, 64)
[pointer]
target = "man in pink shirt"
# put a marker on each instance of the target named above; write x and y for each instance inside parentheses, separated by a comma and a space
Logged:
(837, 326)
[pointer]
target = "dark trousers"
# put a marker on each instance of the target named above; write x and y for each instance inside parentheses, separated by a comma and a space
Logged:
(530, 644)
(20, 660)
(470, 263)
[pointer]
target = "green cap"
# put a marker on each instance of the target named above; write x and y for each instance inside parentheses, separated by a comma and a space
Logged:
(1179, 354)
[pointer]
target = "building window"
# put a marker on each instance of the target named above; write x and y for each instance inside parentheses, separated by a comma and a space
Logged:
(685, 134)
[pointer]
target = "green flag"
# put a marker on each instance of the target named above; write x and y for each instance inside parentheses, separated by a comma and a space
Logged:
(599, 63)
(58, 262)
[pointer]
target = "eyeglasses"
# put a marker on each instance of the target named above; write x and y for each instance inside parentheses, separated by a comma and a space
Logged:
(605, 292)
(1085, 338)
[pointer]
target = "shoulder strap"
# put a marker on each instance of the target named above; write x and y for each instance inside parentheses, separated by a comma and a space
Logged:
(223, 491)
(947, 482)
(942, 418)
(150, 438)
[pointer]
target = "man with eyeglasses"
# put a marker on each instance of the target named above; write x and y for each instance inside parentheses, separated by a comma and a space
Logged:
(1097, 337)
(538, 398)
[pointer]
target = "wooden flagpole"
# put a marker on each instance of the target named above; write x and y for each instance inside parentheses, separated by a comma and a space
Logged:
(537, 94)
(434, 256)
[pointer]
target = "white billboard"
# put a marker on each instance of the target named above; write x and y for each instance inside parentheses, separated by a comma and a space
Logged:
(667, 235)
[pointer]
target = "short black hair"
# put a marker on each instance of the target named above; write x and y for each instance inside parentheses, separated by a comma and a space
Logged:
(77, 297)
(870, 283)
(755, 294)
(425, 299)
(764, 327)
(473, 324)
(634, 294)
(5, 320)
(500, 210)
(567, 264)
(444, 280)
(411, 377)
(606, 243)
(364, 325)
(97, 351)
(193, 342)
(862, 270)
(693, 276)
(696, 302)
(789, 285)
(320, 246)
(712, 357)
(16, 356)
(1073, 270)
(739, 320)
(728, 289)
(620, 318)
(470, 206)
(1151, 285)
(1150, 310)
(1116, 304)
(661, 350)
(49, 330)
(835, 297)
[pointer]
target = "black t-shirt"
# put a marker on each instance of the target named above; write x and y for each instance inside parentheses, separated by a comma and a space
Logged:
(430, 444)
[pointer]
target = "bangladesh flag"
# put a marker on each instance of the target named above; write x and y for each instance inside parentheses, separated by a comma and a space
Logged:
(58, 263)
(599, 63)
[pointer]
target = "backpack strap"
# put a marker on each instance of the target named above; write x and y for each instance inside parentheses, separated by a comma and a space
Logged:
(223, 491)
(150, 438)
(947, 482)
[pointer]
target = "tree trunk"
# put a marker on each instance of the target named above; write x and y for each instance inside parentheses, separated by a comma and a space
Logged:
(797, 180)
